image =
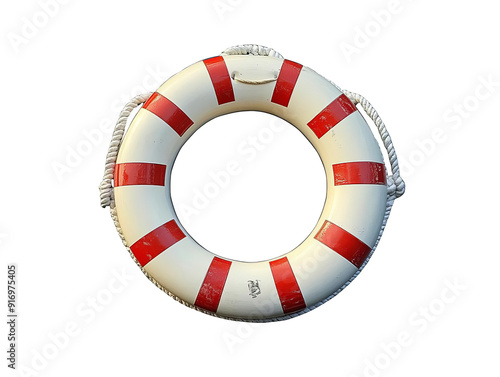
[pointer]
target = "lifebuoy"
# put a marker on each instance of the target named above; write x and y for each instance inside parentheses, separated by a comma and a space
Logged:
(291, 284)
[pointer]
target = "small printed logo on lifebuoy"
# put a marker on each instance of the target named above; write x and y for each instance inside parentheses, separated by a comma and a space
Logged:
(254, 288)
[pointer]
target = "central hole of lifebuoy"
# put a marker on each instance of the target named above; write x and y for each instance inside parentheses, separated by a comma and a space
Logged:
(248, 186)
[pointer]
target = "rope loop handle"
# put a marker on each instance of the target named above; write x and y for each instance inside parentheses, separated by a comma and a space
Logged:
(395, 184)
(106, 188)
(256, 50)
(238, 77)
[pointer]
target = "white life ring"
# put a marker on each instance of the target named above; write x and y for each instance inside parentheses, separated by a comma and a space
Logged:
(350, 223)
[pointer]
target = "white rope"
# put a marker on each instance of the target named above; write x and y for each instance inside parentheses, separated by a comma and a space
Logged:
(106, 188)
(250, 49)
(237, 77)
(395, 184)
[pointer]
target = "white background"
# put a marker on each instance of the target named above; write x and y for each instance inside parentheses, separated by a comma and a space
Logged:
(68, 68)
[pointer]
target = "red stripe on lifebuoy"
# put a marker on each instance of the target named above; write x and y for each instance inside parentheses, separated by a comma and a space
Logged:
(285, 84)
(221, 81)
(331, 115)
(139, 173)
(155, 242)
(288, 289)
(362, 172)
(211, 290)
(169, 112)
(343, 243)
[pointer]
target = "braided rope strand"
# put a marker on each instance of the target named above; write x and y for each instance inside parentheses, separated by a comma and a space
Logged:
(394, 182)
(106, 188)
(250, 49)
